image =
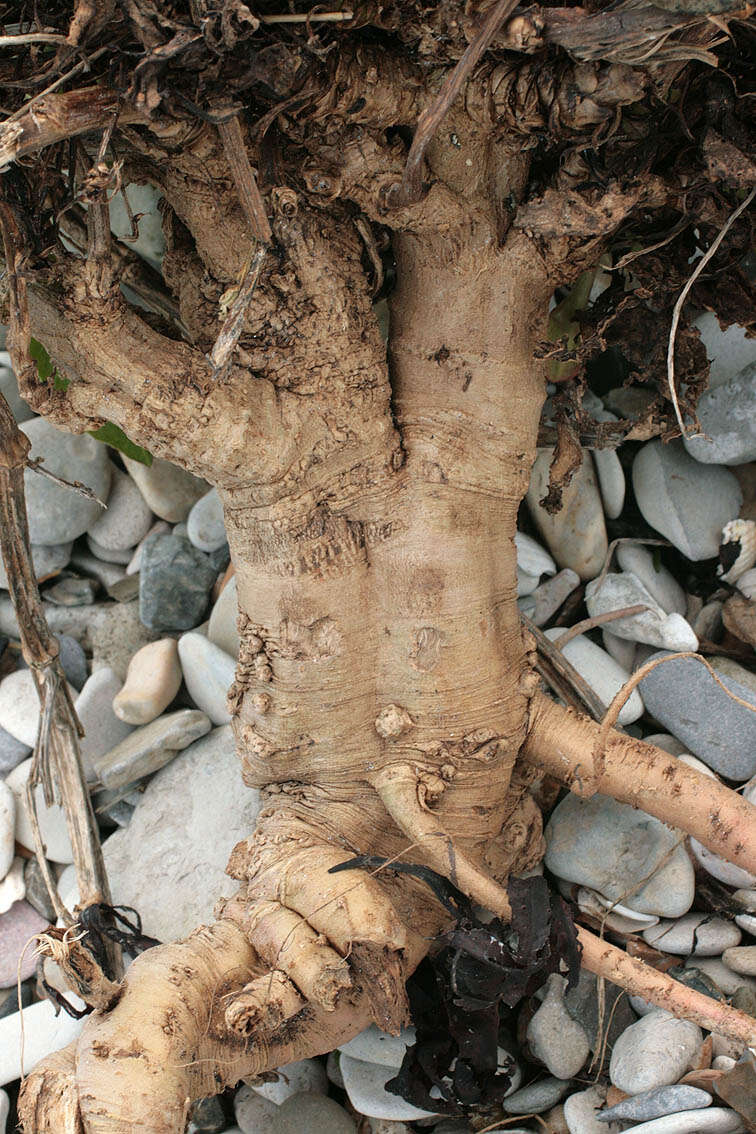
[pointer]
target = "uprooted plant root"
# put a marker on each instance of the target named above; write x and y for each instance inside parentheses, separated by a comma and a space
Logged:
(386, 703)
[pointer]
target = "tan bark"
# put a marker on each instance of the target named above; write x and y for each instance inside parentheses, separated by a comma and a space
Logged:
(384, 683)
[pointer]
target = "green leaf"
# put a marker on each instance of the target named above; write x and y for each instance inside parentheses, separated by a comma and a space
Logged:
(113, 435)
(45, 368)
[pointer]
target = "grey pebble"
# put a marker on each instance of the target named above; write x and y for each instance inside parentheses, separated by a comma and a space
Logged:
(12, 752)
(653, 1053)
(537, 1096)
(9, 389)
(73, 591)
(317, 1114)
(46, 560)
(127, 520)
(611, 847)
(73, 660)
(603, 1021)
(205, 526)
(57, 513)
(582, 1112)
(687, 502)
(109, 555)
(554, 1037)
(699, 934)
(727, 438)
(150, 747)
(207, 1116)
(174, 583)
(656, 1103)
(683, 696)
(36, 891)
(714, 1120)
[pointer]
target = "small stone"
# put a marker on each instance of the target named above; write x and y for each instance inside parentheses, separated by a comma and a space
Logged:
(558, 1041)
(208, 1116)
(108, 554)
(715, 1120)
(52, 820)
(600, 671)
(253, 1113)
(687, 502)
(720, 868)
(532, 559)
(126, 589)
(365, 1085)
(174, 583)
(622, 650)
(73, 661)
(43, 1033)
(611, 847)
(102, 728)
(746, 922)
(658, 581)
(657, 1103)
(20, 409)
(723, 977)
(36, 891)
(549, 595)
(654, 1052)
(208, 673)
(728, 351)
(152, 681)
(746, 898)
(134, 564)
(603, 1019)
(46, 560)
(56, 513)
(170, 862)
(375, 1046)
(16, 927)
(611, 478)
(150, 747)
(7, 828)
(707, 624)
(333, 1071)
(306, 1075)
(127, 519)
(12, 752)
(653, 625)
(19, 706)
(683, 696)
(741, 959)
(576, 535)
(105, 573)
(73, 591)
(316, 1114)
(727, 438)
(723, 1063)
(223, 630)
(144, 208)
(536, 1097)
(168, 491)
(115, 636)
(582, 1113)
(12, 887)
(205, 526)
(697, 934)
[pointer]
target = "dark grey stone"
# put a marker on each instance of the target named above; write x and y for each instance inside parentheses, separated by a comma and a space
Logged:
(73, 591)
(174, 583)
(73, 660)
(36, 891)
(684, 697)
(657, 1103)
(9, 1006)
(12, 752)
(208, 1117)
(220, 558)
(582, 1003)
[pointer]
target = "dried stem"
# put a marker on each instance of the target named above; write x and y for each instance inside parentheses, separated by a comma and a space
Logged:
(684, 295)
(57, 757)
(235, 149)
(686, 1003)
(410, 191)
(562, 676)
